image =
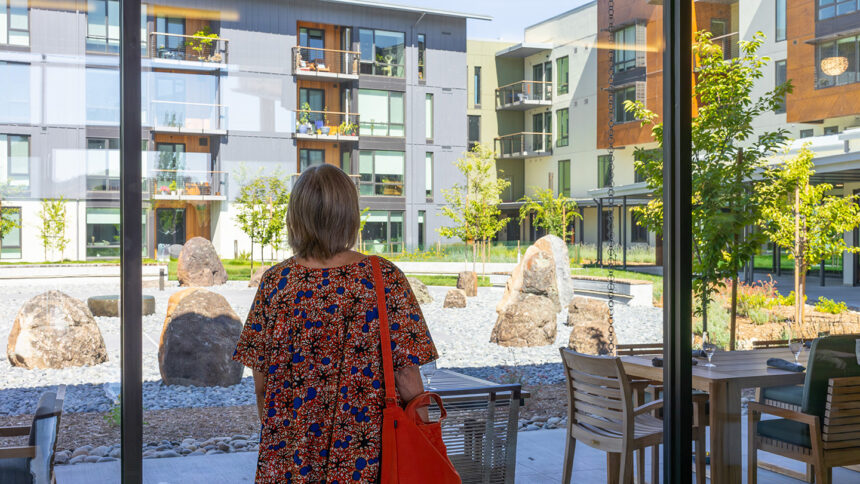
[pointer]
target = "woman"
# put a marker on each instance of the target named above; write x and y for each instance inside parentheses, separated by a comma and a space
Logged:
(312, 339)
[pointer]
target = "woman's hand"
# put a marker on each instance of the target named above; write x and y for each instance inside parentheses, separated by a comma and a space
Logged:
(409, 384)
(260, 391)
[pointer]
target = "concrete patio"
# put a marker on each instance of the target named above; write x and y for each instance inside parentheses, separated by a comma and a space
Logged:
(539, 459)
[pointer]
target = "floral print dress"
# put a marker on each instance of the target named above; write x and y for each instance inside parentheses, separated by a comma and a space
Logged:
(314, 333)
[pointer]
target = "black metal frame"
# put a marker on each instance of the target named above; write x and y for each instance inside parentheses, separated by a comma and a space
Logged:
(677, 233)
(131, 204)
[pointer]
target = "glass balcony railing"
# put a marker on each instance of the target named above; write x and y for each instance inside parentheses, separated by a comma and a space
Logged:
(326, 125)
(188, 117)
(523, 145)
(524, 95)
(187, 184)
(197, 48)
(316, 62)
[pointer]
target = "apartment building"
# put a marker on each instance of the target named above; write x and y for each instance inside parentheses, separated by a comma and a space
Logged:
(230, 90)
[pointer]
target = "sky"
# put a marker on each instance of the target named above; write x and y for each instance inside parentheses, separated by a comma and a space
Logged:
(510, 18)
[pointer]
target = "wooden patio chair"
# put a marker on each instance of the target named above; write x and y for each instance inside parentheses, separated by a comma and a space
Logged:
(825, 432)
(34, 463)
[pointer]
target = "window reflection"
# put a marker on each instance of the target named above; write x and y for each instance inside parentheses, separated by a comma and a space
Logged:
(382, 52)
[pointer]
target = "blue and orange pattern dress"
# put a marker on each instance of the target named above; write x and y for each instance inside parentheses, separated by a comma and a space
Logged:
(314, 333)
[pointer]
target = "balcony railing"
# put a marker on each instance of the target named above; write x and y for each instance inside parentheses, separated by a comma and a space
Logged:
(327, 63)
(188, 117)
(729, 44)
(187, 184)
(524, 145)
(327, 125)
(523, 95)
(197, 48)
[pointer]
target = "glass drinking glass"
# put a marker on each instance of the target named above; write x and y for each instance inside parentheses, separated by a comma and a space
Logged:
(427, 371)
(796, 346)
(709, 347)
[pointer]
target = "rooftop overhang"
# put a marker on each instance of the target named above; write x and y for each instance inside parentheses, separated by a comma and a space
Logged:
(408, 8)
(524, 49)
(632, 191)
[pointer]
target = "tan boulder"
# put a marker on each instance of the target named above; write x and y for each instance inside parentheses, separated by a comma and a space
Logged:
(535, 274)
(561, 261)
(199, 265)
(419, 289)
(530, 320)
(257, 276)
(590, 321)
(468, 282)
(54, 330)
(456, 298)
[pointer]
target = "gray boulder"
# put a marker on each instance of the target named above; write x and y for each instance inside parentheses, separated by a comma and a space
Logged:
(468, 282)
(561, 262)
(108, 306)
(530, 320)
(199, 265)
(456, 298)
(54, 330)
(590, 321)
(422, 294)
(174, 250)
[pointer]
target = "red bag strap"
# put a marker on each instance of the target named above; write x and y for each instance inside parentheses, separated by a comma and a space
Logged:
(384, 335)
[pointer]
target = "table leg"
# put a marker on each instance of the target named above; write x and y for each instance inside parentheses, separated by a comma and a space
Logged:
(613, 468)
(726, 455)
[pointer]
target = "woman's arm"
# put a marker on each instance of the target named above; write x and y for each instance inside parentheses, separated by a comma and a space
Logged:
(409, 384)
(260, 391)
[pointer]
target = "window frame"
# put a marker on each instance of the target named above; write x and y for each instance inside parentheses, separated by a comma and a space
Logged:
(564, 177)
(429, 116)
(106, 178)
(780, 23)
(563, 85)
(388, 242)
(429, 175)
(308, 151)
(783, 66)
(470, 143)
(639, 234)
(388, 122)
(6, 245)
(373, 183)
(476, 86)
(5, 41)
(563, 138)
(603, 162)
(846, 78)
(13, 175)
(834, 4)
(422, 57)
(401, 68)
(628, 59)
(624, 91)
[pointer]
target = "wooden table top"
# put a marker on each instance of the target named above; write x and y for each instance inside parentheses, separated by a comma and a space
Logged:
(451, 383)
(745, 368)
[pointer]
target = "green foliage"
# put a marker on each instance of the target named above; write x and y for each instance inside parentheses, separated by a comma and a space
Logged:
(830, 306)
(201, 41)
(449, 281)
(759, 316)
(553, 214)
(304, 114)
(789, 299)
(726, 153)
(53, 229)
(262, 205)
(719, 320)
(7, 224)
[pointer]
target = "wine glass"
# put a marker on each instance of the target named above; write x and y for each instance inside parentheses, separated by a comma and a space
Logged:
(709, 347)
(427, 372)
(796, 346)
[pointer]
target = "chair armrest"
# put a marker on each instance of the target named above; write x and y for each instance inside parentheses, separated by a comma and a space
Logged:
(14, 431)
(783, 413)
(27, 452)
(648, 407)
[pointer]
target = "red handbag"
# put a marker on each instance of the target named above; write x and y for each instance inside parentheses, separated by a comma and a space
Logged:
(412, 450)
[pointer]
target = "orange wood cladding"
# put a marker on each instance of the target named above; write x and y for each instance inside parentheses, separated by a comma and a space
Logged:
(191, 142)
(807, 104)
(332, 95)
(626, 12)
(331, 151)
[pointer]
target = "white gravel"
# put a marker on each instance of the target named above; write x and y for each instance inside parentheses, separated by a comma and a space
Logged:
(461, 335)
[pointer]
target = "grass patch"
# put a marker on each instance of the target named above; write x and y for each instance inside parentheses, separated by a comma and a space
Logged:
(657, 281)
(449, 281)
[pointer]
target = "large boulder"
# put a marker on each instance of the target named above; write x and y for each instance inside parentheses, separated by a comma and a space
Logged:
(198, 340)
(174, 250)
(468, 282)
(535, 274)
(257, 276)
(199, 265)
(590, 321)
(419, 289)
(528, 321)
(456, 298)
(108, 306)
(561, 260)
(54, 330)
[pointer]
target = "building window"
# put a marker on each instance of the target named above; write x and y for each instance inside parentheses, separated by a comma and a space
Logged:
(828, 130)
(625, 48)
(846, 47)
(780, 79)
(11, 244)
(103, 232)
(172, 45)
(561, 71)
(608, 222)
(564, 177)
(474, 135)
(780, 20)
(346, 162)
(476, 86)
(14, 23)
(381, 113)
(315, 101)
(641, 155)
(428, 116)
(806, 133)
(14, 93)
(314, 40)
(382, 52)
(422, 229)
(15, 161)
(382, 173)
(103, 26)
(422, 58)
(638, 232)
(832, 8)
(621, 95)
(309, 158)
(603, 170)
(102, 164)
(428, 175)
(562, 118)
(383, 231)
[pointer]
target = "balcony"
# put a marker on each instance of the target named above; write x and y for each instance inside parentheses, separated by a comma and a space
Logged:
(188, 118)
(187, 51)
(524, 95)
(186, 185)
(325, 64)
(326, 126)
(524, 145)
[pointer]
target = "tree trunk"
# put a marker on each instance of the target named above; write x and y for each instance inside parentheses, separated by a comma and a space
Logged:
(802, 299)
(252, 257)
(734, 318)
(798, 262)
(704, 303)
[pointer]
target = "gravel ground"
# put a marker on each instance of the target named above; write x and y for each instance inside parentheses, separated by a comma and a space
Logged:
(461, 335)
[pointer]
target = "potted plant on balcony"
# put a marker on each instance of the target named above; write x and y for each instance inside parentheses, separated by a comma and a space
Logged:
(173, 187)
(325, 129)
(304, 123)
(347, 128)
(201, 44)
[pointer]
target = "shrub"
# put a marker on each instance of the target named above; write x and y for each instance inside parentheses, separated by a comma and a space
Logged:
(788, 300)
(830, 306)
(759, 316)
(718, 324)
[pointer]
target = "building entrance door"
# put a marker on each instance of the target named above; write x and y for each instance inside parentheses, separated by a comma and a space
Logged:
(169, 226)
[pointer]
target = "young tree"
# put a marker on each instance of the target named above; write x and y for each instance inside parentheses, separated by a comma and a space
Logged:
(553, 214)
(253, 211)
(473, 207)
(804, 220)
(278, 202)
(7, 224)
(725, 154)
(53, 229)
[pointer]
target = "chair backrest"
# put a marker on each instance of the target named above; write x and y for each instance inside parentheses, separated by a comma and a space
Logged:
(829, 357)
(43, 434)
(639, 349)
(772, 343)
(599, 394)
(841, 425)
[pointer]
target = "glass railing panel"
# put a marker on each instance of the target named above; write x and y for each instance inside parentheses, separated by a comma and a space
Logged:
(198, 48)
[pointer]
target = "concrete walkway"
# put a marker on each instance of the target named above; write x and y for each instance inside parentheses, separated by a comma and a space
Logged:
(540, 455)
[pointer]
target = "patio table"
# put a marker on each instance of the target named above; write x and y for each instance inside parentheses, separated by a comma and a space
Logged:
(480, 432)
(733, 372)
